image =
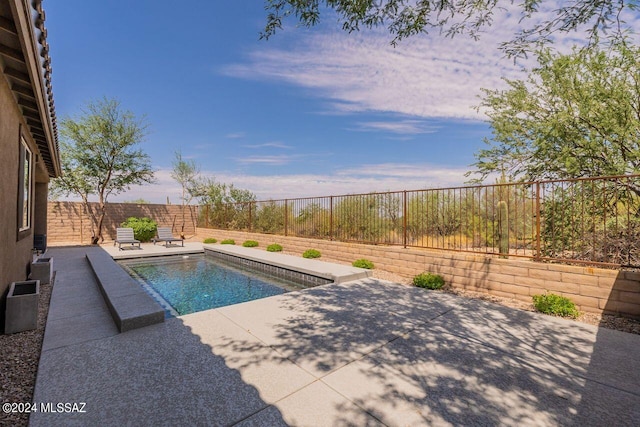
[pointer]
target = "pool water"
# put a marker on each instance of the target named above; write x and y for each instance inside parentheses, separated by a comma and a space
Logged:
(187, 284)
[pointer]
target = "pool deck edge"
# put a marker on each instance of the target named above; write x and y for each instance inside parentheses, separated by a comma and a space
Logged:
(338, 273)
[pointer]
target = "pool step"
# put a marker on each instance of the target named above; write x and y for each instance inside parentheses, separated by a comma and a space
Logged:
(130, 306)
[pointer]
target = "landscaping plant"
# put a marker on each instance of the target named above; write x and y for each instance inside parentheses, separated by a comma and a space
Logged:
(274, 247)
(144, 229)
(228, 242)
(363, 263)
(555, 305)
(210, 240)
(429, 281)
(250, 244)
(311, 253)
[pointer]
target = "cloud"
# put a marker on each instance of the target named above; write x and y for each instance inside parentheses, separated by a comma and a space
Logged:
(429, 76)
(403, 127)
(269, 145)
(275, 160)
(362, 179)
(235, 135)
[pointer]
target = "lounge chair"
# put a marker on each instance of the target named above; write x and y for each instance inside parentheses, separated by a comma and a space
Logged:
(125, 235)
(164, 235)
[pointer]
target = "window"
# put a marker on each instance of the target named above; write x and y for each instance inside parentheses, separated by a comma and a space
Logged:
(24, 187)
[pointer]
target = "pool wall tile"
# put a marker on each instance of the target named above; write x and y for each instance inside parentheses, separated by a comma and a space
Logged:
(283, 273)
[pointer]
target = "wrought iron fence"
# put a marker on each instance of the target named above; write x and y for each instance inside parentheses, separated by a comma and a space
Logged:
(590, 220)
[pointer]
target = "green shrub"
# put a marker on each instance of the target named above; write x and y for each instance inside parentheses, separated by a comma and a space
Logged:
(250, 244)
(228, 242)
(210, 240)
(144, 229)
(555, 305)
(311, 253)
(429, 281)
(274, 247)
(363, 263)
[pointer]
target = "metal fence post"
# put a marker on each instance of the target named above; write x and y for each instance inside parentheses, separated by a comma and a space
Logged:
(206, 220)
(330, 217)
(404, 218)
(250, 223)
(538, 210)
(286, 215)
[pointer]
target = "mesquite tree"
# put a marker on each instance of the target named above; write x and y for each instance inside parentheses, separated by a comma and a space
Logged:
(99, 157)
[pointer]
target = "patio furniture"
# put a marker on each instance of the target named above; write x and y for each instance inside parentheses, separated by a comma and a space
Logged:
(125, 235)
(164, 235)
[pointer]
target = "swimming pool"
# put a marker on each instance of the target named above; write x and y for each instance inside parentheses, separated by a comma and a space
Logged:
(187, 284)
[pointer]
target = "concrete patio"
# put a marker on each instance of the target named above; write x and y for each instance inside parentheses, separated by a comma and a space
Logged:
(361, 353)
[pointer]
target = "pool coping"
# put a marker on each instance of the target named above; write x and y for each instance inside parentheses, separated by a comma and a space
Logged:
(337, 273)
(131, 307)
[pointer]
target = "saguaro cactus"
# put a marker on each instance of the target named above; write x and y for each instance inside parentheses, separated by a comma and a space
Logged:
(503, 228)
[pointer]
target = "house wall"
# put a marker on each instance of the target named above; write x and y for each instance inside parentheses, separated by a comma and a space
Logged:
(15, 250)
(68, 223)
(591, 289)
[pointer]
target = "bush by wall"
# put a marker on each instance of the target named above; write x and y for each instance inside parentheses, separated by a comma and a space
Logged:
(250, 244)
(555, 305)
(311, 253)
(363, 263)
(144, 229)
(228, 242)
(209, 240)
(274, 247)
(429, 281)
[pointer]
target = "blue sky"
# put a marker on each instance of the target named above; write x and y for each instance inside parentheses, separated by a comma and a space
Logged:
(306, 113)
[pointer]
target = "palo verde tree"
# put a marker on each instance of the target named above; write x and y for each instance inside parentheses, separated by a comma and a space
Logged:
(99, 157)
(576, 115)
(186, 173)
(405, 18)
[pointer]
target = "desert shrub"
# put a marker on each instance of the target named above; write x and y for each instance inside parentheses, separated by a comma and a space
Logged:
(274, 247)
(209, 240)
(250, 244)
(144, 229)
(429, 281)
(311, 253)
(228, 242)
(363, 263)
(555, 305)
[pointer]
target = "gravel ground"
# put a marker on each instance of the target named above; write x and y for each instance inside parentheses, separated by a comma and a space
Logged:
(19, 363)
(21, 352)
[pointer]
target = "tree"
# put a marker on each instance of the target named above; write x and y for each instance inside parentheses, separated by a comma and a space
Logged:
(99, 157)
(186, 172)
(576, 115)
(405, 18)
(227, 205)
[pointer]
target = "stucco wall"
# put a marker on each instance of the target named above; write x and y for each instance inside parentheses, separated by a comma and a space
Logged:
(67, 223)
(592, 289)
(15, 254)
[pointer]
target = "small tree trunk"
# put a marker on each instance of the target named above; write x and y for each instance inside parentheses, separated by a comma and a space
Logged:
(92, 220)
(100, 221)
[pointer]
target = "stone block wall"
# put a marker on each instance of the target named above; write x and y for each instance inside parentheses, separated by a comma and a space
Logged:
(68, 223)
(592, 289)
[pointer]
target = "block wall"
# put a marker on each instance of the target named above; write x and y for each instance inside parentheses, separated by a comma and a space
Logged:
(68, 223)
